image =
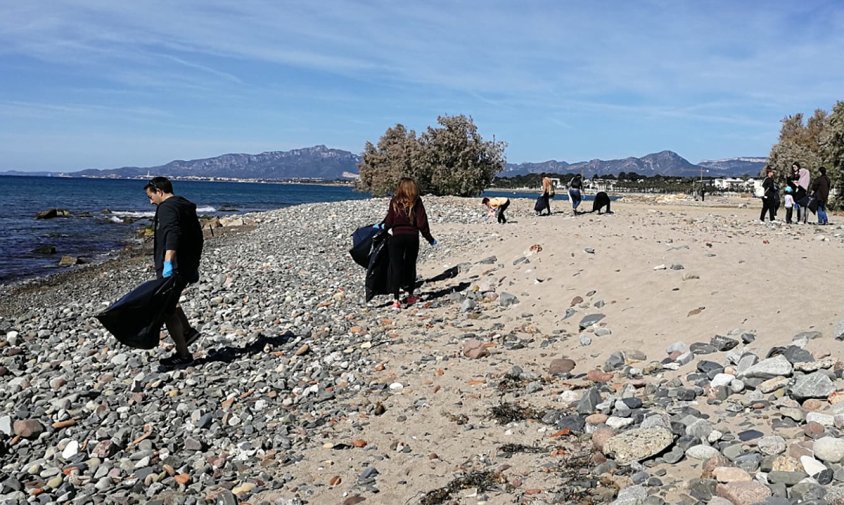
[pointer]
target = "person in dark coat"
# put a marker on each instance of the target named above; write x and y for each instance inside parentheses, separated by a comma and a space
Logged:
(820, 190)
(406, 219)
(600, 201)
(176, 252)
(770, 199)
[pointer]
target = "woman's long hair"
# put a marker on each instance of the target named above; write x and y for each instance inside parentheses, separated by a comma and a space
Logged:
(405, 198)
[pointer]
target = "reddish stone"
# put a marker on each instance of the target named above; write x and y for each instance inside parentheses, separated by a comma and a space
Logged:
(711, 464)
(814, 405)
(598, 376)
(813, 429)
(595, 419)
(743, 493)
(28, 429)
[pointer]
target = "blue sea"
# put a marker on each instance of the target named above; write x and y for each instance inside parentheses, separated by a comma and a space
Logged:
(106, 214)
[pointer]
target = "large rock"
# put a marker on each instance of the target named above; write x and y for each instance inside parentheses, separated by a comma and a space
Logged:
(829, 449)
(638, 444)
(29, 428)
(814, 385)
(45, 249)
(743, 493)
(51, 213)
(778, 366)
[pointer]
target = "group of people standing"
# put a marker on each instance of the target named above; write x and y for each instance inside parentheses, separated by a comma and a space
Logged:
(801, 194)
(547, 193)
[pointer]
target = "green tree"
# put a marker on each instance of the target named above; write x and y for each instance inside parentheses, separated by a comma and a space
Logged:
(456, 160)
(832, 141)
(383, 165)
(799, 142)
(450, 160)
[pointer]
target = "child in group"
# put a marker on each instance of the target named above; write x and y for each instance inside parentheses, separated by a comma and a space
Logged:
(789, 204)
(497, 206)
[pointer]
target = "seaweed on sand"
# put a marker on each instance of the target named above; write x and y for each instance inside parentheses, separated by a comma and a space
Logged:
(483, 481)
(510, 412)
(508, 450)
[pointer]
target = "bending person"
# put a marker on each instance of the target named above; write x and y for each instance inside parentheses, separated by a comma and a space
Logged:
(497, 206)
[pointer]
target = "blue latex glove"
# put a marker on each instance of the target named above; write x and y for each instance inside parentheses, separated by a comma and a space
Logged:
(434, 243)
(168, 269)
(379, 226)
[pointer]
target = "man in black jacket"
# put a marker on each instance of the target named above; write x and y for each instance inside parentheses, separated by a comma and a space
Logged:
(177, 251)
(820, 190)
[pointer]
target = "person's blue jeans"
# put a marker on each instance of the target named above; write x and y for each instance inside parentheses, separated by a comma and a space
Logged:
(574, 196)
(822, 219)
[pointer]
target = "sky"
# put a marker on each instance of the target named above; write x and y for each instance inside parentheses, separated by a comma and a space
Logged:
(105, 84)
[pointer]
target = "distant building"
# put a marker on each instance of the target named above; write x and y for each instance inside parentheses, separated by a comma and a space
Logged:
(597, 184)
(736, 184)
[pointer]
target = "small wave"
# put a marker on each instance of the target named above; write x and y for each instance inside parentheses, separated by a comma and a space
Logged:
(135, 214)
(207, 208)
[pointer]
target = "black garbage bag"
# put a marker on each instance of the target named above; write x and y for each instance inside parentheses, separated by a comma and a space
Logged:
(376, 269)
(362, 244)
(136, 319)
(813, 205)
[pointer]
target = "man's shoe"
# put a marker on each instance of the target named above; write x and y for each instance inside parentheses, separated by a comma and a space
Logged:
(176, 361)
(193, 336)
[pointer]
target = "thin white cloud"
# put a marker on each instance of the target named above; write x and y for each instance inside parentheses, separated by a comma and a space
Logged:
(711, 62)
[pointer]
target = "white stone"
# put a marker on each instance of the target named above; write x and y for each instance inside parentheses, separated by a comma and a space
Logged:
(618, 422)
(820, 418)
(569, 396)
(702, 452)
(778, 366)
(71, 449)
(6, 425)
(812, 466)
(12, 338)
(722, 379)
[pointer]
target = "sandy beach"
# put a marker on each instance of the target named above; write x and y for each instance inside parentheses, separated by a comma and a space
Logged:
(536, 346)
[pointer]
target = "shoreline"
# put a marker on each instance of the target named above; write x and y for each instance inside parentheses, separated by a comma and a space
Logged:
(303, 392)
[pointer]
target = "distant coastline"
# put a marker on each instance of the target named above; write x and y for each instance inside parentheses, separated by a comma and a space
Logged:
(305, 181)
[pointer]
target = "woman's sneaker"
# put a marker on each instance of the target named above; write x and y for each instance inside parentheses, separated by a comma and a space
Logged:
(410, 300)
(397, 305)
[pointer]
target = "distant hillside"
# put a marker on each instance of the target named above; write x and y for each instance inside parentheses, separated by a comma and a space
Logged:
(318, 162)
(662, 163)
(738, 166)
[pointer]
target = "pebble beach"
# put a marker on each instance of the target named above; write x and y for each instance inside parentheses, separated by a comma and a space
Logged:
(671, 352)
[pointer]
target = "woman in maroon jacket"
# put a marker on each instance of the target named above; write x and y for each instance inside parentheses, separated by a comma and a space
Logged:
(405, 220)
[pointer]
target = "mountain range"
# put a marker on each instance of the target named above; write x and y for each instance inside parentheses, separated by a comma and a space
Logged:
(321, 162)
(666, 163)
